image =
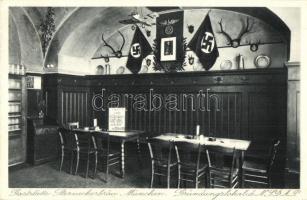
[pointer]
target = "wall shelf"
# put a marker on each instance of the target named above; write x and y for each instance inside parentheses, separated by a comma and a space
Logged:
(14, 116)
(16, 119)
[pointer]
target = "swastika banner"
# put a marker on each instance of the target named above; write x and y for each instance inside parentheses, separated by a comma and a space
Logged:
(139, 49)
(204, 45)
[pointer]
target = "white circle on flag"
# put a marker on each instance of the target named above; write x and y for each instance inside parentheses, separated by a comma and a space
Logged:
(207, 43)
(135, 50)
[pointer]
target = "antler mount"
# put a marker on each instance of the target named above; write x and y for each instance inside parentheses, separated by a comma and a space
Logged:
(247, 27)
(119, 52)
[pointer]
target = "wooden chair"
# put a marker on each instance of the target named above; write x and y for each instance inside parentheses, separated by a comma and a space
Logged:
(223, 167)
(162, 163)
(190, 168)
(86, 147)
(259, 171)
(68, 145)
(106, 152)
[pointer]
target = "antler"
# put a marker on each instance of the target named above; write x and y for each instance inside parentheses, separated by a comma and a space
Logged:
(117, 53)
(247, 29)
(224, 33)
(107, 45)
(121, 48)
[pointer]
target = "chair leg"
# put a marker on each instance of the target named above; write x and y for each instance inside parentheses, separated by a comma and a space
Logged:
(77, 165)
(243, 178)
(107, 173)
(71, 159)
(196, 180)
(107, 168)
(139, 153)
(152, 174)
(62, 159)
(87, 165)
(96, 162)
(210, 181)
(168, 177)
(179, 176)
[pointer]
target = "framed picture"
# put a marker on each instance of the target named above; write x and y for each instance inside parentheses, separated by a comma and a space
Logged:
(34, 82)
(168, 49)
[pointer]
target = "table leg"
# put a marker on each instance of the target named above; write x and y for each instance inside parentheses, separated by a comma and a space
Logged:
(123, 159)
(139, 151)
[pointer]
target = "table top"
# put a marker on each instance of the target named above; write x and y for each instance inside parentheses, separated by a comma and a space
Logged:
(123, 134)
(223, 142)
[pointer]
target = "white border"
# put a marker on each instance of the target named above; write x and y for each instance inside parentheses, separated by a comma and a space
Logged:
(168, 194)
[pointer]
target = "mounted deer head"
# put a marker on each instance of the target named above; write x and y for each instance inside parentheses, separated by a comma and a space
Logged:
(246, 28)
(117, 53)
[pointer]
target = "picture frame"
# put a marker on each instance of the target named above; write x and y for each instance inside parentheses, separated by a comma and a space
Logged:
(168, 49)
(34, 82)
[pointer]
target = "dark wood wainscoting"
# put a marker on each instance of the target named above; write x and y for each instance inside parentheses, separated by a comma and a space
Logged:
(236, 104)
(67, 99)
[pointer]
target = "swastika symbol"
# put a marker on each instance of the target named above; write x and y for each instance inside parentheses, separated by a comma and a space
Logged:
(135, 50)
(207, 43)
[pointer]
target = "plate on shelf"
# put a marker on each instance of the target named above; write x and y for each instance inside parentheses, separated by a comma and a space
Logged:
(226, 65)
(120, 70)
(262, 61)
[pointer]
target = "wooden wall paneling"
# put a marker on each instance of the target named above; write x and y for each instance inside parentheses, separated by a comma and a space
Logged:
(266, 115)
(236, 103)
(74, 106)
(293, 169)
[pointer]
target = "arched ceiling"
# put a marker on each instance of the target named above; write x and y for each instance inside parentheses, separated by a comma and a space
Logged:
(78, 30)
(24, 32)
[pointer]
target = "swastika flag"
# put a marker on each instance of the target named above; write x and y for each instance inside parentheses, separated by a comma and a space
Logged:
(139, 49)
(204, 45)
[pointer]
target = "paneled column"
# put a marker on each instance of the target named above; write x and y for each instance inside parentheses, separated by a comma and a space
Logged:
(293, 127)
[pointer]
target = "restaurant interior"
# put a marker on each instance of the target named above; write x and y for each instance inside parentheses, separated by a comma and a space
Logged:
(154, 97)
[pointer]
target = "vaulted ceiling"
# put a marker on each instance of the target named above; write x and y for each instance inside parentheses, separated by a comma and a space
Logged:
(78, 30)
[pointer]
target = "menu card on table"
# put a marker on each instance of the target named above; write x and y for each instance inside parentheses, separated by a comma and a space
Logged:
(117, 119)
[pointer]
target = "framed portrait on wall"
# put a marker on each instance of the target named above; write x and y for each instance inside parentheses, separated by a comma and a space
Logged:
(168, 49)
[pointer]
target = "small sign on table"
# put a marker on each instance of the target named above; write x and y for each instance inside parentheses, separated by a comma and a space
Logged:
(117, 119)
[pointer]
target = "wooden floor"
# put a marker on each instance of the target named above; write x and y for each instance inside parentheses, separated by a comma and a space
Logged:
(48, 176)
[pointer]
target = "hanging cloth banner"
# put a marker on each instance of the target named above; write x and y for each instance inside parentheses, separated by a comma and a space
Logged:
(204, 45)
(139, 49)
(170, 51)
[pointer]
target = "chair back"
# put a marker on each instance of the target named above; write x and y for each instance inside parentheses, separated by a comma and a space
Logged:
(85, 140)
(102, 140)
(67, 138)
(187, 152)
(160, 150)
(273, 153)
(73, 125)
(219, 157)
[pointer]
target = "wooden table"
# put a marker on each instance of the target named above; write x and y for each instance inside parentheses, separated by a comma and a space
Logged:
(241, 145)
(123, 137)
